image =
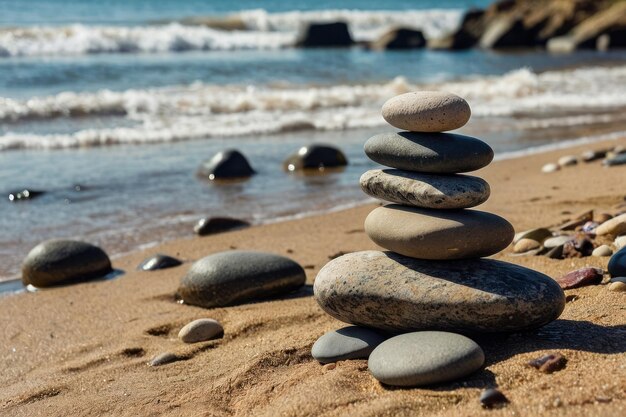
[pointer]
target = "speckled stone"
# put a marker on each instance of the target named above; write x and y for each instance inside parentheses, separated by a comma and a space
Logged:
(436, 153)
(200, 330)
(425, 190)
(391, 292)
(352, 342)
(427, 111)
(438, 234)
(616, 226)
(425, 358)
(64, 261)
(235, 277)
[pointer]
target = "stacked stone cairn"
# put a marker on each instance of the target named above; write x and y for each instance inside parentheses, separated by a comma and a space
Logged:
(413, 306)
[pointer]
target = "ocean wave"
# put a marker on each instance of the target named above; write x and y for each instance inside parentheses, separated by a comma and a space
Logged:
(263, 31)
(526, 100)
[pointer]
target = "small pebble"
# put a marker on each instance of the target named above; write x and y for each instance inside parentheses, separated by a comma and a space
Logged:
(553, 242)
(567, 160)
(492, 398)
(548, 168)
(200, 330)
(525, 245)
(158, 261)
(617, 286)
(549, 363)
(540, 234)
(580, 278)
(163, 358)
(620, 242)
(329, 366)
(601, 251)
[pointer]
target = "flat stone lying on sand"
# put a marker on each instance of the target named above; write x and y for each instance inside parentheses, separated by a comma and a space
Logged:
(615, 226)
(580, 278)
(425, 190)
(539, 234)
(212, 225)
(424, 358)
(158, 261)
(63, 261)
(200, 330)
(228, 164)
(602, 250)
(426, 111)
(316, 157)
(525, 245)
(437, 234)
(553, 242)
(351, 342)
(236, 277)
(391, 292)
(437, 153)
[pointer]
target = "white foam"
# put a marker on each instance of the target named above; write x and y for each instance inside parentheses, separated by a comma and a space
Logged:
(524, 99)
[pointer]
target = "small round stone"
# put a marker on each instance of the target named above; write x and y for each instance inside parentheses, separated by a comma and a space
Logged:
(200, 330)
(539, 234)
(316, 157)
(425, 190)
(236, 277)
(525, 245)
(617, 286)
(424, 358)
(427, 111)
(615, 226)
(158, 261)
(63, 261)
(548, 168)
(437, 234)
(492, 398)
(353, 342)
(228, 164)
(602, 250)
(436, 153)
(567, 160)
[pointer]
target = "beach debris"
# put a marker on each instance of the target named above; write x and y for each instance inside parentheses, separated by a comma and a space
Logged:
(352, 342)
(56, 262)
(567, 161)
(549, 168)
(315, 157)
(617, 264)
(615, 226)
(25, 194)
(212, 225)
(602, 251)
(163, 359)
(425, 190)
(525, 245)
(236, 277)
(549, 363)
(332, 34)
(424, 358)
(399, 38)
(492, 398)
(617, 286)
(580, 278)
(227, 164)
(200, 330)
(158, 261)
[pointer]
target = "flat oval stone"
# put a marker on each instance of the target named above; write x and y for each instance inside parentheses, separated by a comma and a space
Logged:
(158, 261)
(437, 234)
(63, 261)
(425, 190)
(615, 226)
(436, 153)
(427, 111)
(236, 277)
(200, 330)
(602, 251)
(352, 342)
(392, 292)
(424, 358)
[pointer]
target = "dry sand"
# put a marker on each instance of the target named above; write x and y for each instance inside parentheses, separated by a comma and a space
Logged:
(83, 349)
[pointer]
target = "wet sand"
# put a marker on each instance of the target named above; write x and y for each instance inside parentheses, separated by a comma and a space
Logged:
(83, 349)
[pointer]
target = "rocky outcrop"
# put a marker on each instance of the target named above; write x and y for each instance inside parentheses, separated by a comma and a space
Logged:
(334, 34)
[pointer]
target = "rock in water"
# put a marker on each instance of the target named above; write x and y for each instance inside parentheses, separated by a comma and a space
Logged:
(236, 277)
(427, 111)
(400, 38)
(435, 234)
(335, 34)
(391, 292)
(351, 342)
(425, 190)
(63, 261)
(200, 330)
(436, 153)
(213, 225)
(158, 261)
(315, 157)
(424, 358)
(228, 164)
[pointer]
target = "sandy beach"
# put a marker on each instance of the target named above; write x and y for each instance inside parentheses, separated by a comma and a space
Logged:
(83, 349)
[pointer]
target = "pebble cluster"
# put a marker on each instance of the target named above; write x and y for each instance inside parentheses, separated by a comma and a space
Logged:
(432, 283)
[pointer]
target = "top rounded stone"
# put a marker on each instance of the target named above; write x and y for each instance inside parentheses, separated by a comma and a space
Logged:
(427, 111)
